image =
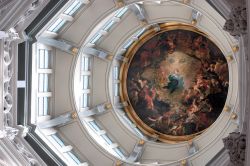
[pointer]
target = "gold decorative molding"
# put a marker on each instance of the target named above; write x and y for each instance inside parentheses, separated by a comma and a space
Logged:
(141, 142)
(123, 89)
(74, 115)
(230, 58)
(108, 106)
(183, 162)
(75, 50)
(194, 22)
(144, 23)
(118, 163)
(235, 48)
(123, 78)
(234, 116)
(119, 3)
(110, 57)
(227, 108)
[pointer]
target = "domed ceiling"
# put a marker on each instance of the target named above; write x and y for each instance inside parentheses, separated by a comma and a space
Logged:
(146, 84)
(176, 81)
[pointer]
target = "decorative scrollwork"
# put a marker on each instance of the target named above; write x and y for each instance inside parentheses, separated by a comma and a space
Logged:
(10, 131)
(235, 143)
(236, 25)
(33, 6)
(24, 152)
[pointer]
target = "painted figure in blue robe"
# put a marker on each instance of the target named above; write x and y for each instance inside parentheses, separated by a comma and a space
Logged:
(175, 81)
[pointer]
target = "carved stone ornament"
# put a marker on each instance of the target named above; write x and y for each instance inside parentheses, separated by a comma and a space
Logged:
(32, 7)
(236, 25)
(235, 143)
(10, 130)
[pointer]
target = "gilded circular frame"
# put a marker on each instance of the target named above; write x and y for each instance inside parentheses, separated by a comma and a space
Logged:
(150, 33)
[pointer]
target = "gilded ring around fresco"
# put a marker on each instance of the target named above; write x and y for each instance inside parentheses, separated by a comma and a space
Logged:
(176, 82)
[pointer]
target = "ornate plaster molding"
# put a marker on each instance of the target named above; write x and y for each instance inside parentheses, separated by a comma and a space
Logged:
(10, 133)
(235, 143)
(236, 25)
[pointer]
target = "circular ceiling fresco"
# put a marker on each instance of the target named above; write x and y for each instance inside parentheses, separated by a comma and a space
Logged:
(176, 82)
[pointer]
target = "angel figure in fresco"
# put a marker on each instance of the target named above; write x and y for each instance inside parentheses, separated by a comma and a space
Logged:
(175, 81)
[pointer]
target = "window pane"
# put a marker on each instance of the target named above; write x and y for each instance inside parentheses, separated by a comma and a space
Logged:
(85, 82)
(71, 7)
(127, 44)
(127, 120)
(85, 100)
(138, 132)
(46, 83)
(116, 73)
(117, 90)
(119, 152)
(95, 38)
(74, 158)
(75, 9)
(57, 25)
(107, 139)
(82, 63)
(40, 82)
(108, 25)
(45, 105)
(58, 140)
(40, 106)
(121, 12)
(94, 126)
(41, 58)
(140, 32)
(43, 82)
(53, 26)
(86, 65)
(46, 59)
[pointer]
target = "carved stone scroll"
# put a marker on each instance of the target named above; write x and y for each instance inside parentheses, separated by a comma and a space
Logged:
(235, 143)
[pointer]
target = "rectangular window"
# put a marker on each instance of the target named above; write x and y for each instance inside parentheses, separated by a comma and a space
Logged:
(121, 12)
(44, 59)
(128, 43)
(95, 38)
(140, 32)
(58, 140)
(85, 64)
(43, 82)
(73, 8)
(119, 152)
(85, 81)
(41, 58)
(43, 106)
(94, 126)
(108, 25)
(138, 132)
(128, 121)
(117, 90)
(73, 157)
(85, 100)
(57, 25)
(116, 73)
(107, 139)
